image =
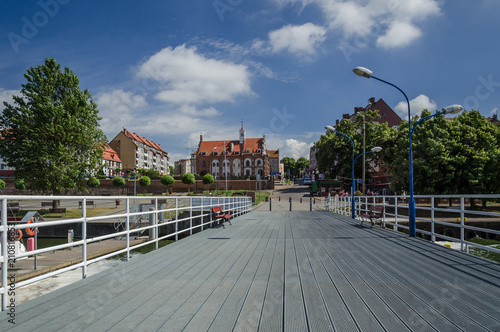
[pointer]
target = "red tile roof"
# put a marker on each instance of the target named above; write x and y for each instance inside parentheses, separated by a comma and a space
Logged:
(251, 144)
(144, 141)
(110, 154)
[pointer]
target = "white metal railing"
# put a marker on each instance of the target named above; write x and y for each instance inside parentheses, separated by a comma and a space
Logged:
(444, 217)
(154, 212)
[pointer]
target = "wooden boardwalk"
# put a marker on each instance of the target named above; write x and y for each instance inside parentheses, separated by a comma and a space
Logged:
(280, 271)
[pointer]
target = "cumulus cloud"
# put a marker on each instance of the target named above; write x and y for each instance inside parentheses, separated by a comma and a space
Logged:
(186, 77)
(6, 95)
(295, 149)
(417, 105)
(392, 23)
(119, 109)
(296, 39)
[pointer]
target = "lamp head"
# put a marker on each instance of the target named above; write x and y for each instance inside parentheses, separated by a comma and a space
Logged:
(363, 72)
(376, 149)
(330, 129)
(452, 109)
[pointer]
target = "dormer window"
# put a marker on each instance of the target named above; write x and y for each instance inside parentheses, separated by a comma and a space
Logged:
(258, 151)
(247, 151)
(203, 153)
(215, 153)
(236, 152)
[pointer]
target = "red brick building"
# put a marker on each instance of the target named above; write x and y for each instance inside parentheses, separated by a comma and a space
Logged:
(243, 157)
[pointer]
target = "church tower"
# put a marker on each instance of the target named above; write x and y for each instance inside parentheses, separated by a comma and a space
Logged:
(242, 135)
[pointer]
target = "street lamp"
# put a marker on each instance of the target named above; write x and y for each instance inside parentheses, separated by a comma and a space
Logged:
(331, 129)
(364, 72)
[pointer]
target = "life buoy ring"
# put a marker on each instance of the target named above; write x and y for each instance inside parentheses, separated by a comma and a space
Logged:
(31, 231)
(19, 235)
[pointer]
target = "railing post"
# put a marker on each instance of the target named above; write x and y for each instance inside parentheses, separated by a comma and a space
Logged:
(396, 213)
(310, 203)
(84, 238)
(191, 216)
(202, 212)
(176, 218)
(127, 227)
(156, 223)
(433, 234)
(5, 255)
(270, 204)
(462, 223)
(290, 199)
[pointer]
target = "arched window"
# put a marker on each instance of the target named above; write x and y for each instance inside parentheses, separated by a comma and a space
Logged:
(247, 163)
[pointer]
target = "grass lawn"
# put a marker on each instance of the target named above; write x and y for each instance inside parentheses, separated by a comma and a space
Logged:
(492, 256)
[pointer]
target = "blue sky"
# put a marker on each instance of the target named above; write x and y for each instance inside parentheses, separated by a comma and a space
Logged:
(172, 70)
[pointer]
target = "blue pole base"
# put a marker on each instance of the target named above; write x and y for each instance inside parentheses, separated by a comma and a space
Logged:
(412, 216)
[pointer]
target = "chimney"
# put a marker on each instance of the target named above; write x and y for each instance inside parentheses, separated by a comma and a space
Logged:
(201, 138)
(372, 100)
(232, 147)
(337, 123)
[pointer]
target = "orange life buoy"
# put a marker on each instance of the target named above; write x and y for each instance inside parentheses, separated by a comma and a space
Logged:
(19, 235)
(31, 231)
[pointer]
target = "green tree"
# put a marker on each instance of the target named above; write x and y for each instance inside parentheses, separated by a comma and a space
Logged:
(2, 184)
(188, 179)
(289, 165)
(167, 180)
(459, 156)
(118, 182)
(152, 173)
(93, 182)
(171, 169)
(53, 130)
(118, 170)
(145, 181)
(20, 184)
(301, 165)
(208, 179)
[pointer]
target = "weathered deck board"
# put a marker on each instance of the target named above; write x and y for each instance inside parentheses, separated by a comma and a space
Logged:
(280, 271)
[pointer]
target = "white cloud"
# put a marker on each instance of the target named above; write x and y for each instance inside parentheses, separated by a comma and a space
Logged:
(391, 23)
(6, 95)
(295, 149)
(303, 39)
(417, 105)
(119, 109)
(399, 34)
(190, 78)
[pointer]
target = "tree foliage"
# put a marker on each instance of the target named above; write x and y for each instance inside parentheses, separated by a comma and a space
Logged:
(53, 137)
(208, 179)
(20, 184)
(145, 181)
(188, 179)
(335, 151)
(118, 181)
(289, 165)
(2, 184)
(167, 180)
(93, 182)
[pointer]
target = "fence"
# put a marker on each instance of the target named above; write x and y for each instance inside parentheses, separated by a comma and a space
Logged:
(456, 218)
(172, 216)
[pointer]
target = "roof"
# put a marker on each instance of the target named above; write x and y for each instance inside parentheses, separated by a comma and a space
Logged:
(251, 145)
(143, 140)
(110, 154)
(273, 153)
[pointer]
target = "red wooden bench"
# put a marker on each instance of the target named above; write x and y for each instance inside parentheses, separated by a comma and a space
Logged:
(219, 215)
(375, 213)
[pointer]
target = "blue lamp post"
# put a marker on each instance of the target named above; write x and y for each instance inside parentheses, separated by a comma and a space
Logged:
(364, 72)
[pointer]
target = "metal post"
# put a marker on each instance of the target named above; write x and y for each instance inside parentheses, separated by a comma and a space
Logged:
(433, 236)
(127, 227)
(84, 238)
(462, 223)
(310, 204)
(290, 199)
(270, 204)
(190, 216)
(5, 262)
(176, 218)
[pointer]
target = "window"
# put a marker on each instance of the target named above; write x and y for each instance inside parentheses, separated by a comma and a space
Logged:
(203, 153)
(203, 163)
(247, 163)
(247, 151)
(236, 152)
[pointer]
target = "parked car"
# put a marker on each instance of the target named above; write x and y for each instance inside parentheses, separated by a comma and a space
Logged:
(307, 180)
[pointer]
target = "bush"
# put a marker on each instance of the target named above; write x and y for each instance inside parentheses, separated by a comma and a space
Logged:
(167, 180)
(145, 181)
(2, 184)
(20, 184)
(93, 182)
(118, 181)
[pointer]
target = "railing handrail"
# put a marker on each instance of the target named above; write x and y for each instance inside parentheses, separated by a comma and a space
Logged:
(236, 204)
